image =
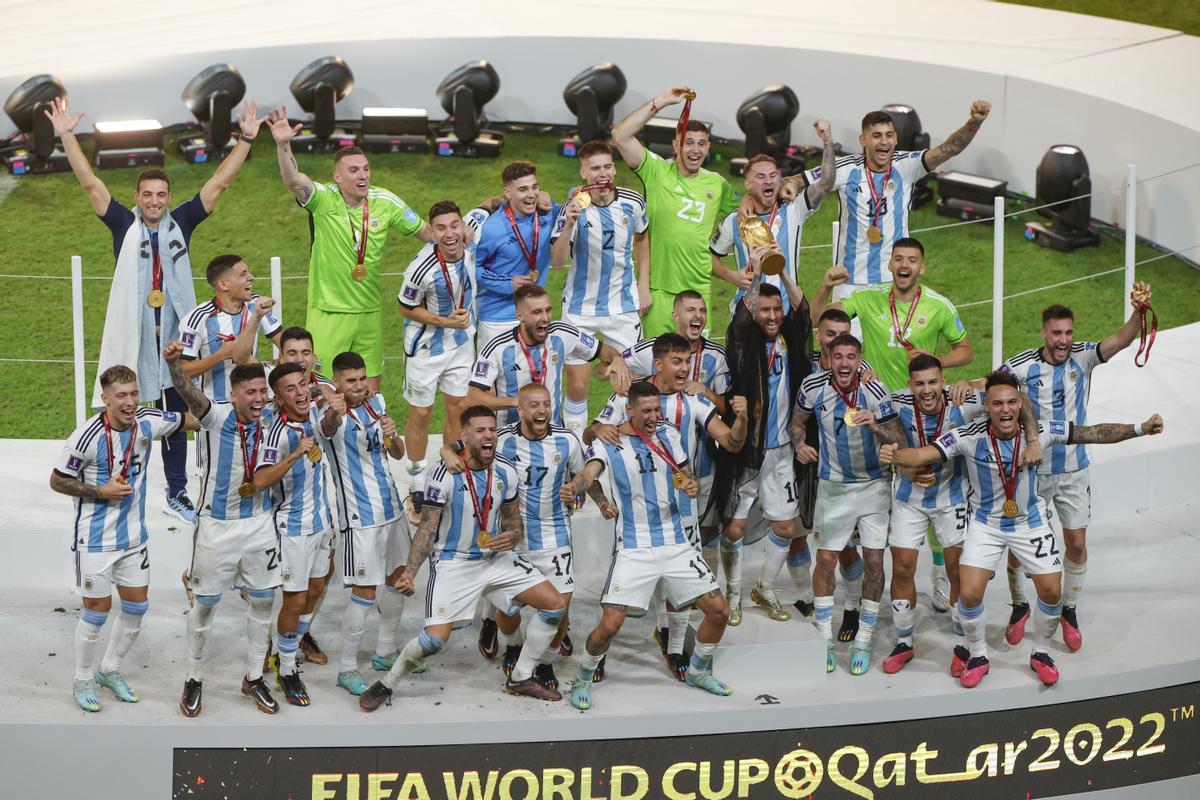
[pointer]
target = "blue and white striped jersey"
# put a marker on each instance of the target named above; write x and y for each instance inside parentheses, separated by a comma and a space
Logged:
(362, 476)
(651, 511)
(1059, 392)
(690, 414)
(707, 364)
(787, 227)
(777, 416)
(103, 526)
(543, 466)
(602, 281)
(987, 496)
(868, 263)
(949, 489)
(231, 451)
(848, 454)
(425, 286)
(299, 499)
(207, 327)
(458, 530)
(504, 364)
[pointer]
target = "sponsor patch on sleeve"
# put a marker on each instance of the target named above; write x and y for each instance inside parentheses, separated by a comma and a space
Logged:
(74, 463)
(586, 339)
(188, 338)
(948, 439)
(885, 409)
(1058, 427)
(410, 216)
(410, 293)
(433, 493)
(270, 455)
(481, 369)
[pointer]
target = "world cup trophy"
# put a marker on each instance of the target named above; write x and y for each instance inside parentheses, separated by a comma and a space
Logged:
(755, 234)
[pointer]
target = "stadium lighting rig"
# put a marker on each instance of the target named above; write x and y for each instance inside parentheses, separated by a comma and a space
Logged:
(1062, 176)
(211, 96)
(39, 150)
(394, 130)
(909, 136)
(965, 196)
(591, 96)
(765, 119)
(463, 94)
(318, 88)
(128, 143)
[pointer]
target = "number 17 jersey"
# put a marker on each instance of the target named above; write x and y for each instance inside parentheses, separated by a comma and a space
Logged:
(543, 466)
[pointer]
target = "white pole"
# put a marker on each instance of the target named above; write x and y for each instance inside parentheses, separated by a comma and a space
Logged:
(1130, 232)
(277, 291)
(998, 283)
(77, 327)
(836, 231)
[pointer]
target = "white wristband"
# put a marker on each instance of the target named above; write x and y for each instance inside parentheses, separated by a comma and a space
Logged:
(1139, 429)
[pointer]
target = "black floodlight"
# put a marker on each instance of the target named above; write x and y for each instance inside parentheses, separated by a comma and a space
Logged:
(463, 94)
(394, 130)
(128, 143)
(27, 107)
(211, 96)
(909, 136)
(318, 88)
(765, 118)
(965, 196)
(1062, 179)
(591, 96)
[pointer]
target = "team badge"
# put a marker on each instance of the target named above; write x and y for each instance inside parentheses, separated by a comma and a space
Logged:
(624, 223)
(709, 195)
(947, 440)
(554, 358)
(360, 570)
(88, 583)
(1072, 375)
(194, 577)
(557, 458)
(410, 293)
(374, 223)
(481, 369)
(922, 321)
(287, 574)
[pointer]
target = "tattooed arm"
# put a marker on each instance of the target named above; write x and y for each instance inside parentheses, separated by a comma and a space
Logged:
(422, 546)
(1111, 432)
(73, 487)
(889, 432)
(957, 142)
(816, 192)
(282, 132)
(197, 403)
(1031, 456)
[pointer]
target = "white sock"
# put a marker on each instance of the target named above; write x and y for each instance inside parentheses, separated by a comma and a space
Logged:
(575, 415)
(87, 642)
(416, 650)
(866, 623)
(702, 655)
(678, 630)
(1016, 585)
(588, 664)
(416, 476)
(1045, 624)
(286, 645)
(903, 618)
(957, 627)
(354, 625)
(774, 556)
(391, 609)
(731, 560)
(304, 623)
(542, 628)
(799, 567)
(258, 631)
(974, 627)
(852, 578)
(823, 612)
(514, 639)
(1072, 581)
(198, 622)
(124, 634)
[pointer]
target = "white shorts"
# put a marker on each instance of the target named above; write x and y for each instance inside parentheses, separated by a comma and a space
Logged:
(304, 558)
(910, 522)
(1071, 494)
(1036, 548)
(486, 331)
(369, 555)
(775, 483)
(619, 331)
(97, 573)
(556, 563)
(635, 573)
(454, 587)
(238, 553)
(425, 374)
(843, 506)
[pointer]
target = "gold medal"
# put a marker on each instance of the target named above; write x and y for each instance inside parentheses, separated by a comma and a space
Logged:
(874, 235)
(583, 199)
(246, 489)
(314, 453)
(1139, 296)
(483, 538)
(925, 479)
(848, 417)
(156, 298)
(533, 275)
(359, 273)
(121, 480)
(689, 95)
(1010, 508)
(680, 480)
(388, 441)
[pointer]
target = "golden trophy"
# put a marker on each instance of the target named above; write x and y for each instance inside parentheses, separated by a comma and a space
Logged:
(755, 234)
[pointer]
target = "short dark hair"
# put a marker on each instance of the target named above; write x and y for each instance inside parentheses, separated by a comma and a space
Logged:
(845, 340)
(1001, 377)
(282, 371)
(347, 361)
(769, 290)
(348, 150)
(219, 266)
(924, 361)
(528, 292)
(246, 372)
(444, 207)
(908, 241)
(667, 343)
(758, 159)
(118, 373)
(594, 148)
(471, 412)
(294, 333)
(689, 294)
(153, 175)
(640, 389)
(1056, 311)
(877, 118)
(517, 170)
(695, 125)
(834, 315)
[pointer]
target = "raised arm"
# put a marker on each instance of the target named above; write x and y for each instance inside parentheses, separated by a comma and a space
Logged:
(243, 345)
(489, 399)
(282, 132)
(961, 353)
(64, 127)
(196, 402)
(1112, 432)
(816, 192)
(957, 142)
(625, 132)
(560, 251)
(731, 437)
(335, 409)
(1123, 336)
(248, 124)
(833, 276)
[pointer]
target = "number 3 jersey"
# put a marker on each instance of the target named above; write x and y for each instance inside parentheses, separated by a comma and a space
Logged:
(362, 477)
(458, 530)
(651, 511)
(103, 526)
(543, 466)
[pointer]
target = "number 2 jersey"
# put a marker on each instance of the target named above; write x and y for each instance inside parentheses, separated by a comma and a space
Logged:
(542, 466)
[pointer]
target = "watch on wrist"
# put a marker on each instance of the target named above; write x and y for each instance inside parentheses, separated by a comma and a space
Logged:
(244, 138)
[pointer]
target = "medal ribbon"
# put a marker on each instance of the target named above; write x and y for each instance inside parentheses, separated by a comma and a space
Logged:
(538, 377)
(685, 117)
(481, 510)
(128, 448)
(877, 206)
(659, 450)
(530, 257)
(771, 359)
(698, 357)
(1146, 337)
(461, 301)
(1009, 479)
(603, 186)
(375, 416)
(362, 239)
(156, 273)
(249, 458)
(229, 337)
(902, 330)
(850, 400)
(937, 431)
